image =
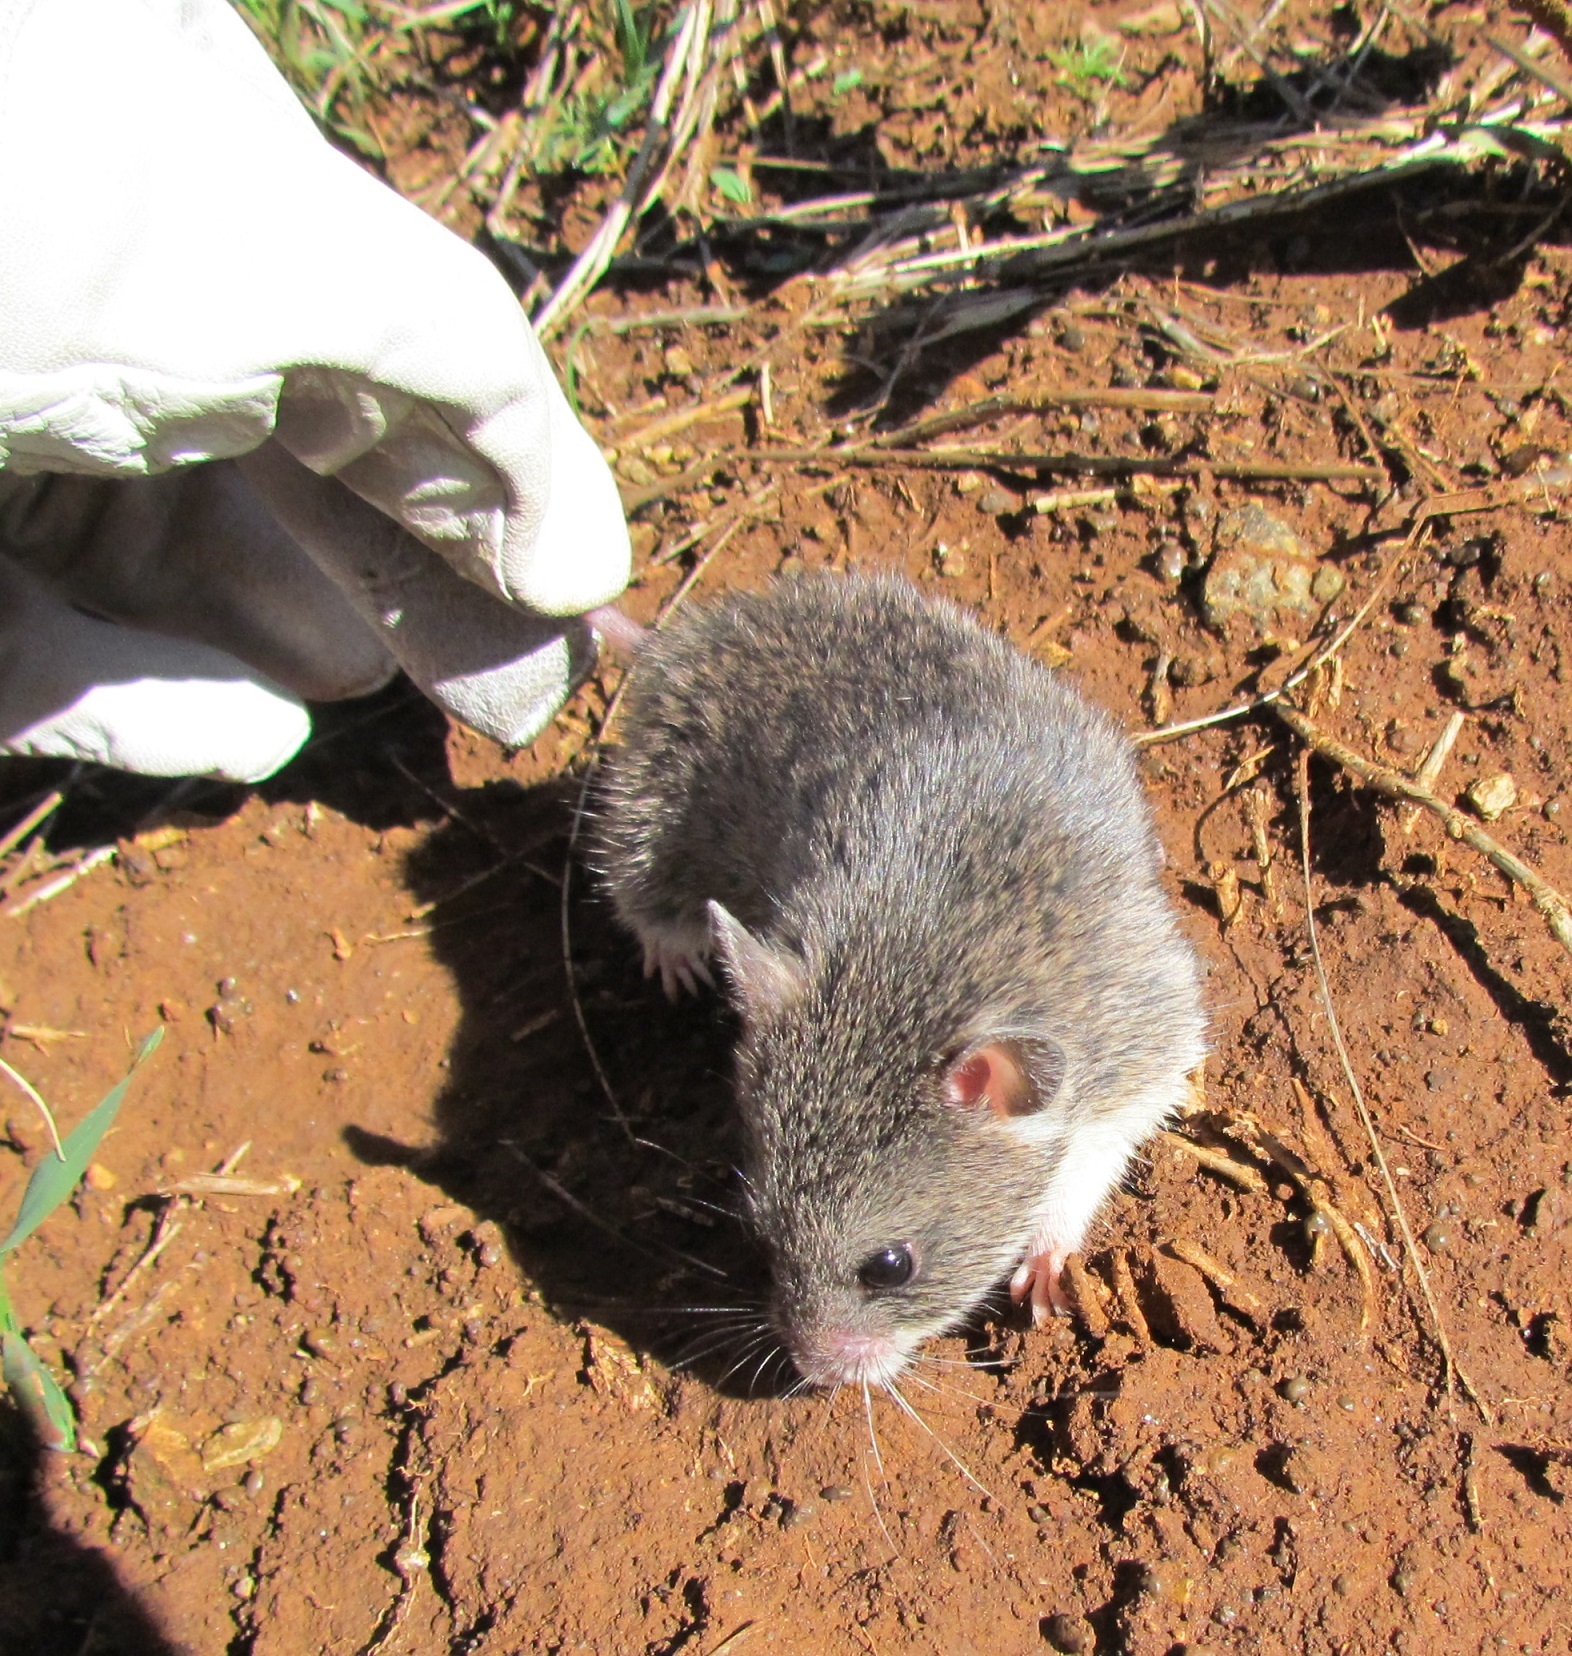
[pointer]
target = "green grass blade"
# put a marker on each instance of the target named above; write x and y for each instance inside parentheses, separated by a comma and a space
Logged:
(37, 1393)
(53, 1180)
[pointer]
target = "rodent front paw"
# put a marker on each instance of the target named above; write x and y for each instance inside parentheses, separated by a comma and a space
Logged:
(1037, 1279)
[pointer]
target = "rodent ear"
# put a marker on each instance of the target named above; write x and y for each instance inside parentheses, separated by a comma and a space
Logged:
(764, 982)
(1006, 1079)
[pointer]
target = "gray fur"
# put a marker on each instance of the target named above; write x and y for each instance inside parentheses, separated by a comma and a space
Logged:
(949, 847)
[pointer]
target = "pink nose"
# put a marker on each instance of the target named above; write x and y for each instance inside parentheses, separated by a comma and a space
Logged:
(839, 1357)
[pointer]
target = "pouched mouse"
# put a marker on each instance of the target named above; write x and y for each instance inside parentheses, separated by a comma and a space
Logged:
(930, 878)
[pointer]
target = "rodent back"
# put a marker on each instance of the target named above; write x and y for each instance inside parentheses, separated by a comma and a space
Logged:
(766, 737)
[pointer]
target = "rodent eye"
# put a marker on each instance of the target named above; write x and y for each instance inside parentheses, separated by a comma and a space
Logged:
(891, 1267)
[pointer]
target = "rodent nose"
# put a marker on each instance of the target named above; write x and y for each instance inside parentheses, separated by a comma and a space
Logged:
(842, 1357)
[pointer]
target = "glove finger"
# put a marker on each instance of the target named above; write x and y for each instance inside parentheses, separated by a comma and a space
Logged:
(501, 670)
(138, 330)
(78, 688)
(194, 555)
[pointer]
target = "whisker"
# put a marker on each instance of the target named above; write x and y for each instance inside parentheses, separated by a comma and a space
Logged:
(959, 1362)
(873, 1436)
(566, 1196)
(940, 1388)
(747, 1351)
(718, 1343)
(960, 1465)
(867, 1482)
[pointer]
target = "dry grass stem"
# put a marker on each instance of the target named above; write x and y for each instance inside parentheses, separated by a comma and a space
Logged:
(1430, 766)
(1450, 1369)
(1233, 1291)
(14, 836)
(705, 39)
(1255, 812)
(38, 1103)
(1086, 1296)
(1552, 905)
(1237, 1173)
(1318, 1194)
(52, 888)
(1129, 1299)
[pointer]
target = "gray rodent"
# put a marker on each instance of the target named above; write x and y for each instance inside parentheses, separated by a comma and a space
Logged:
(931, 879)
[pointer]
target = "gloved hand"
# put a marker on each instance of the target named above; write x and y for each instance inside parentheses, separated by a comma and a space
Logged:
(189, 272)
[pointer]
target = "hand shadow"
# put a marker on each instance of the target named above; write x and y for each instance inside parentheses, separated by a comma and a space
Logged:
(58, 1596)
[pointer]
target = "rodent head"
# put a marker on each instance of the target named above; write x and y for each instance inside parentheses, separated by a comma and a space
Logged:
(894, 1184)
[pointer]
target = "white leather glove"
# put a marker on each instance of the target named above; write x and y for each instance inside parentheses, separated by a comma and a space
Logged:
(189, 272)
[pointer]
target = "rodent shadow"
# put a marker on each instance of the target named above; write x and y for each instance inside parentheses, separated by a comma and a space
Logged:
(625, 1213)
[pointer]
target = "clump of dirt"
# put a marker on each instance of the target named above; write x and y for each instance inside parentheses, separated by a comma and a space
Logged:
(462, 1357)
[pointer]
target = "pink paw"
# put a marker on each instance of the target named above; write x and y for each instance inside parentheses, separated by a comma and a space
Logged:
(677, 968)
(1037, 1279)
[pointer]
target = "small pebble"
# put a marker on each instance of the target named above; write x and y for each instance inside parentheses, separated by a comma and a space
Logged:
(1492, 796)
(1165, 1582)
(1342, 1585)
(835, 1492)
(803, 1512)
(1072, 337)
(254, 1482)
(1038, 1513)
(1550, 810)
(1317, 1225)
(1412, 613)
(1439, 1236)
(1295, 1389)
(1067, 1633)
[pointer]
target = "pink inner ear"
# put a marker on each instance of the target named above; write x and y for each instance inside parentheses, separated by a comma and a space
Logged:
(990, 1078)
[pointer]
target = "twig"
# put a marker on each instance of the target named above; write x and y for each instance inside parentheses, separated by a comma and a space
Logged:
(1450, 1367)
(670, 424)
(1221, 1278)
(1139, 398)
(1095, 465)
(1552, 905)
(1318, 1193)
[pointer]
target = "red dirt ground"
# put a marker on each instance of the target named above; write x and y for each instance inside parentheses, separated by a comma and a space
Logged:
(416, 1392)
